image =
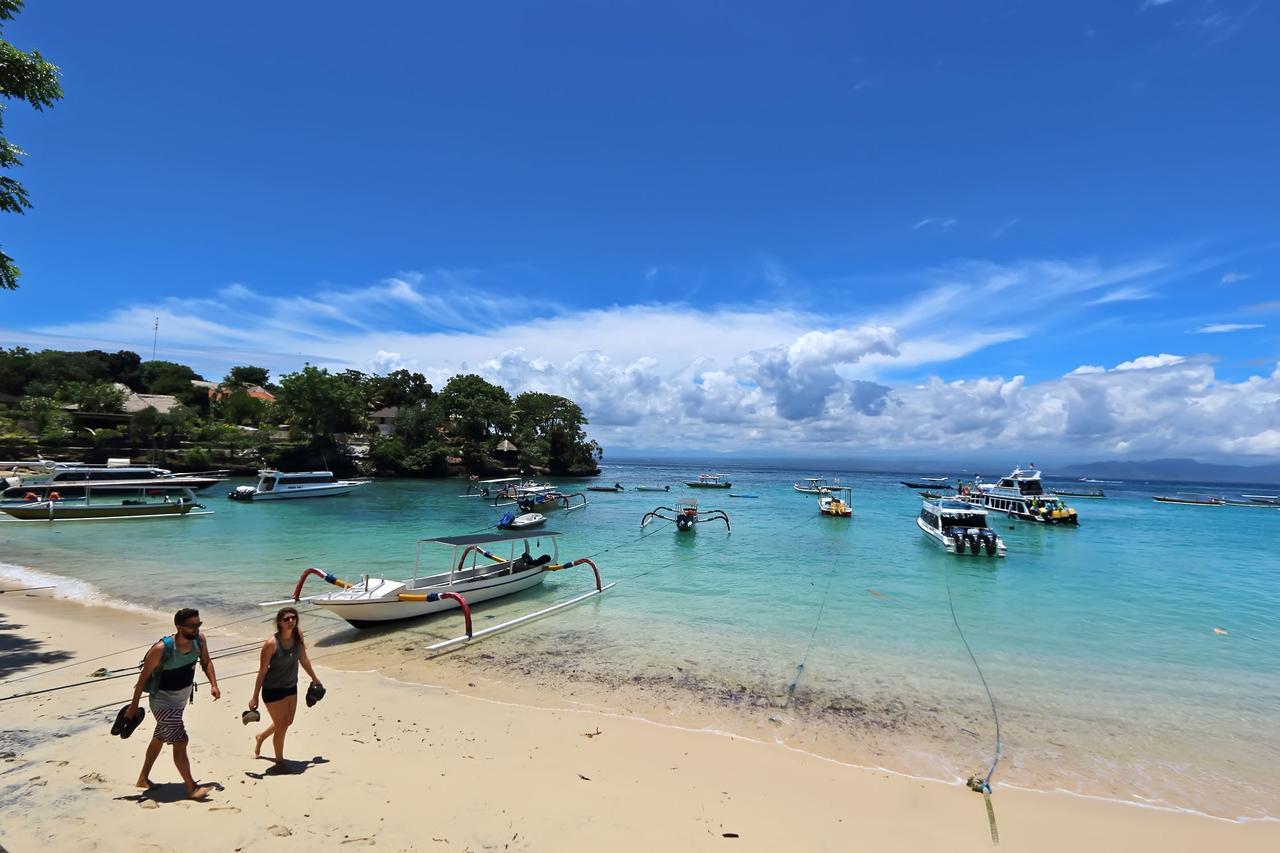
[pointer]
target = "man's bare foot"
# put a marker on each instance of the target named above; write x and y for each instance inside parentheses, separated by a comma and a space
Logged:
(198, 793)
(144, 782)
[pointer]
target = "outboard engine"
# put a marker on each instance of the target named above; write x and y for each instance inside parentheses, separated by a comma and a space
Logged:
(504, 523)
(242, 493)
(684, 522)
(989, 539)
(975, 544)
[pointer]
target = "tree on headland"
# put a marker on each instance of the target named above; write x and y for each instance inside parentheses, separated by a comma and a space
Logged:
(548, 431)
(27, 77)
(166, 377)
(317, 404)
(246, 376)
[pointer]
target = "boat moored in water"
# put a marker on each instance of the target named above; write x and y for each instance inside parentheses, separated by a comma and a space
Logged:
(511, 521)
(959, 527)
(173, 502)
(686, 516)
(1189, 500)
(616, 487)
(651, 488)
(280, 485)
(815, 485)
(1021, 495)
(709, 481)
(836, 502)
(929, 483)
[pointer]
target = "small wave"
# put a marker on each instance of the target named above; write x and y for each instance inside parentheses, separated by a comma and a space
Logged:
(70, 589)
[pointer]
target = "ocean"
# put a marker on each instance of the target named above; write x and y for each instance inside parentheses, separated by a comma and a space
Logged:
(1135, 658)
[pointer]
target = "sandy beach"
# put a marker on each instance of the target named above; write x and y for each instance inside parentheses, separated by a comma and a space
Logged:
(429, 760)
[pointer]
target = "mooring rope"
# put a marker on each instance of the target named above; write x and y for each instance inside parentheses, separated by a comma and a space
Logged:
(985, 783)
(813, 636)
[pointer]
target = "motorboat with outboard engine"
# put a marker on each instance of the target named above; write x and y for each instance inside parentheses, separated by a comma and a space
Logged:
(815, 485)
(511, 521)
(836, 502)
(280, 485)
(959, 527)
(616, 487)
(709, 481)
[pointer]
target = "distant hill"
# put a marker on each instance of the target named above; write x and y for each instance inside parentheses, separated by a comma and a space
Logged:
(1187, 470)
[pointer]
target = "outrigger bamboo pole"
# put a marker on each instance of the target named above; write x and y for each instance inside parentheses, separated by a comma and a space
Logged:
(444, 644)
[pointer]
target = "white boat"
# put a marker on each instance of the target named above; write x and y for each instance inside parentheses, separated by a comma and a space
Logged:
(280, 485)
(836, 502)
(651, 488)
(511, 521)
(959, 527)
(1021, 495)
(69, 478)
(816, 486)
(113, 502)
(473, 574)
(477, 488)
(709, 481)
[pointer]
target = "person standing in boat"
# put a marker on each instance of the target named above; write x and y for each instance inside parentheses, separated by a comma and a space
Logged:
(168, 676)
(277, 682)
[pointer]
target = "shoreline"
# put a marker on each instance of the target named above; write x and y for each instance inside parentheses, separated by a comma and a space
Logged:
(763, 776)
(850, 731)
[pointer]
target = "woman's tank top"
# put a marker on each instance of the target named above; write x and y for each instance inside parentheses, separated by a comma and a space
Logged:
(282, 672)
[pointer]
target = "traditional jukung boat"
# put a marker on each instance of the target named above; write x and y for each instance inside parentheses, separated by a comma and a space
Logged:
(474, 574)
(616, 487)
(837, 502)
(477, 488)
(686, 516)
(959, 527)
(651, 488)
(550, 500)
(929, 483)
(709, 481)
(1091, 493)
(1271, 501)
(174, 502)
(815, 485)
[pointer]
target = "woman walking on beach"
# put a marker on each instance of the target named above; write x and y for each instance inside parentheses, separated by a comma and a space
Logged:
(168, 675)
(278, 680)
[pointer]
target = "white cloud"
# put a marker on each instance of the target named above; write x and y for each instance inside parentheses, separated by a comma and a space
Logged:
(1221, 328)
(1233, 277)
(942, 223)
(1125, 294)
(1149, 362)
(1002, 229)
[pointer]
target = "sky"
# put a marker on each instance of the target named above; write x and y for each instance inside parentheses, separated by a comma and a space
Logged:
(859, 228)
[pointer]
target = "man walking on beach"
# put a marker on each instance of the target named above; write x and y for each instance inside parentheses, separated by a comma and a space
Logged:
(168, 676)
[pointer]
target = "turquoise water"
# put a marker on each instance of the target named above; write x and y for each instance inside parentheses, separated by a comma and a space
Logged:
(1098, 643)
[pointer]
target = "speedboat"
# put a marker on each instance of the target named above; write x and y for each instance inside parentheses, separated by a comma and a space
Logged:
(68, 479)
(1021, 495)
(473, 573)
(959, 527)
(709, 481)
(280, 485)
(837, 502)
(815, 486)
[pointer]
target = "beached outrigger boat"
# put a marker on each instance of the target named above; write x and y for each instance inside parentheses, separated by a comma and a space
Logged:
(174, 502)
(959, 527)
(474, 574)
(686, 516)
(709, 481)
(1021, 495)
(837, 502)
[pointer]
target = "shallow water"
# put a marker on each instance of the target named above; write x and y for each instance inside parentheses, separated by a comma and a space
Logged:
(1098, 643)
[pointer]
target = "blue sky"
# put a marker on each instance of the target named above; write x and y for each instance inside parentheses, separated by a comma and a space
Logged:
(882, 226)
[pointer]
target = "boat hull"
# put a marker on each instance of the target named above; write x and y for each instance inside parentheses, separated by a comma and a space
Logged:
(380, 605)
(694, 485)
(46, 511)
(949, 545)
(319, 491)
(1187, 501)
(1017, 508)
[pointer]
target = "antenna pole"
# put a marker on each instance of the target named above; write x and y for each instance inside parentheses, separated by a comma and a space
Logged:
(155, 337)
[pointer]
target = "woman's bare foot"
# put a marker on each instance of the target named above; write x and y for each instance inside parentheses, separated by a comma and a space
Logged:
(198, 793)
(144, 782)
(257, 744)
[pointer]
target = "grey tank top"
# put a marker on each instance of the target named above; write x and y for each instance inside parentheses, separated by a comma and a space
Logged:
(282, 672)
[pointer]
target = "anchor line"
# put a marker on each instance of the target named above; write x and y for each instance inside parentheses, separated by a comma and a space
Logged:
(813, 635)
(985, 784)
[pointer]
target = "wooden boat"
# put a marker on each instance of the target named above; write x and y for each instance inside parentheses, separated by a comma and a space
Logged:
(1188, 500)
(538, 501)
(473, 574)
(651, 488)
(709, 481)
(686, 516)
(837, 503)
(732, 495)
(616, 487)
(959, 527)
(815, 485)
(1091, 493)
(929, 483)
(145, 503)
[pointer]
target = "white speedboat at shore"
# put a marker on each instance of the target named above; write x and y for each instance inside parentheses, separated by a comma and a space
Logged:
(279, 485)
(959, 527)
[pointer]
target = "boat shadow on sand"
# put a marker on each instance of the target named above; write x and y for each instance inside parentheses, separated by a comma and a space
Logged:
(18, 653)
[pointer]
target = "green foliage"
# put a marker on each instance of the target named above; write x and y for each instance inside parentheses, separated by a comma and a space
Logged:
(318, 404)
(198, 457)
(398, 388)
(26, 77)
(473, 407)
(163, 429)
(48, 419)
(93, 396)
(246, 376)
(239, 408)
(548, 431)
(167, 377)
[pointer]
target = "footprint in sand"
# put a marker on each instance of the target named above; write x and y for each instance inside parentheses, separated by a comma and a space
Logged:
(277, 829)
(90, 778)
